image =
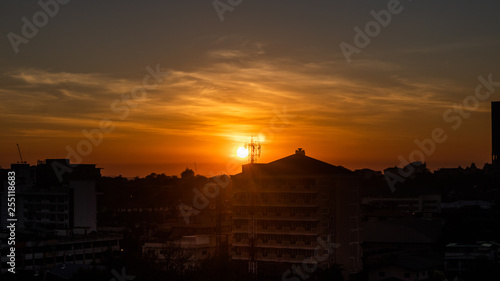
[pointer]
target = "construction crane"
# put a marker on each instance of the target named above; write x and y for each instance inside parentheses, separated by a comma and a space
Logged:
(254, 149)
(20, 156)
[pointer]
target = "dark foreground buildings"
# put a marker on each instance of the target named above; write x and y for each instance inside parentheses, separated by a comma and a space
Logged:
(55, 208)
(495, 131)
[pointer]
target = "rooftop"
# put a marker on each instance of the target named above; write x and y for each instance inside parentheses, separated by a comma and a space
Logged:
(299, 164)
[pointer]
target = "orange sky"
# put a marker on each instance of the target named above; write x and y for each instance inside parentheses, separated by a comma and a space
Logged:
(266, 70)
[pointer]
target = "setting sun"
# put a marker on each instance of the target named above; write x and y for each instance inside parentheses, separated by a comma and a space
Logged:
(242, 152)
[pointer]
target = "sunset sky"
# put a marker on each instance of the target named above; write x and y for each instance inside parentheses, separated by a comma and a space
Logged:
(269, 68)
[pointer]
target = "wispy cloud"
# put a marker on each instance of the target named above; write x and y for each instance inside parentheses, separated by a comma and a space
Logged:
(472, 43)
(239, 91)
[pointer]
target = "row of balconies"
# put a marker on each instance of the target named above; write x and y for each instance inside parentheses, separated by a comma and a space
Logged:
(282, 243)
(274, 229)
(61, 219)
(279, 227)
(278, 197)
(280, 216)
(468, 256)
(47, 211)
(270, 256)
(282, 188)
(277, 202)
(31, 201)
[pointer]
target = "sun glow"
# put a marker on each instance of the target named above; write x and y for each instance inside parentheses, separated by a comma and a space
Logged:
(242, 152)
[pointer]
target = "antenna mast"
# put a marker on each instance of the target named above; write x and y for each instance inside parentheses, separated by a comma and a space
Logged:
(254, 149)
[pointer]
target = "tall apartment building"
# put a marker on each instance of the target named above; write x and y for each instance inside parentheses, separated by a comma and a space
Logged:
(53, 195)
(302, 207)
(56, 216)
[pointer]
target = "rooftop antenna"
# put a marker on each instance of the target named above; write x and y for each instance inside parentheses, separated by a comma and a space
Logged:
(254, 149)
(20, 156)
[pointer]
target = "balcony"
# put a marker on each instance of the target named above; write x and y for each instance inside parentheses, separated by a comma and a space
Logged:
(241, 228)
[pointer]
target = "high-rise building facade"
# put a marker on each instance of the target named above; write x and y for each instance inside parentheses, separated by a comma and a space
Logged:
(495, 131)
(55, 216)
(54, 195)
(304, 211)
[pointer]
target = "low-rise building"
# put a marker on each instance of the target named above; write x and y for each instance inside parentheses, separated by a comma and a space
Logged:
(181, 254)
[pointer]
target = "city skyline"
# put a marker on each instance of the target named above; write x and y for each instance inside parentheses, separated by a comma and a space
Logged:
(185, 83)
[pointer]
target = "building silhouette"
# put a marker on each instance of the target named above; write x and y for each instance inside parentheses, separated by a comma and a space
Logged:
(303, 209)
(56, 216)
(495, 131)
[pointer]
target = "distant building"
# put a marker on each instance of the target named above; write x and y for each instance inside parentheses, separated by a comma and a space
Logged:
(182, 254)
(298, 202)
(401, 248)
(214, 219)
(410, 171)
(396, 205)
(405, 268)
(495, 131)
(463, 258)
(478, 204)
(46, 253)
(53, 195)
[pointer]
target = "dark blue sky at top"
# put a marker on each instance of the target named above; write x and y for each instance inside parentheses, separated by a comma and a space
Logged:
(120, 36)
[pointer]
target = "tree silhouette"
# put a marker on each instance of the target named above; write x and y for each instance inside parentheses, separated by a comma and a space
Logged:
(188, 173)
